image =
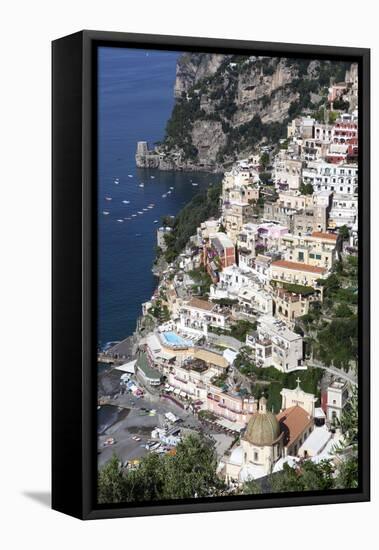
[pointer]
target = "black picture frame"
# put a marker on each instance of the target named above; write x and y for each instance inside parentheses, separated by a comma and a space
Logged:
(74, 133)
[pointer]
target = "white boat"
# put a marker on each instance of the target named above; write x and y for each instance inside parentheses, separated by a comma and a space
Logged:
(195, 184)
(155, 221)
(164, 196)
(105, 212)
(120, 221)
(139, 212)
(127, 218)
(152, 177)
(108, 198)
(145, 209)
(150, 207)
(130, 175)
(134, 215)
(126, 202)
(171, 188)
(141, 185)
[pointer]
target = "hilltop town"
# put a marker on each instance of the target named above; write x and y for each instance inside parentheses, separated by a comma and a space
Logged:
(252, 330)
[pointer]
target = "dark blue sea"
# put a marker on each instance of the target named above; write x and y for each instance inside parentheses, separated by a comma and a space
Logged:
(135, 102)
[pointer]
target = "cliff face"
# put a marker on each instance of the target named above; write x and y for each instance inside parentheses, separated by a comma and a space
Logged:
(227, 105)
(192, 67)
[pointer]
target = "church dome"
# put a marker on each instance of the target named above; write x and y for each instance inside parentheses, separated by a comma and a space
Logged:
(263, 428)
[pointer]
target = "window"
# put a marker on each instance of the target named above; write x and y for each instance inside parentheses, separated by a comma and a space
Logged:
(255, 456)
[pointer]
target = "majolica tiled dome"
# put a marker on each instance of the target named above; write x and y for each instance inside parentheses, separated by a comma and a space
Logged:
(263, 428)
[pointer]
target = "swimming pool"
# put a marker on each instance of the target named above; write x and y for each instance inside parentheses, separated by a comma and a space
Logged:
(174, 340)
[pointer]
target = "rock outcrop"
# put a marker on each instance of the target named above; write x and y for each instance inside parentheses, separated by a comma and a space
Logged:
(227, 105)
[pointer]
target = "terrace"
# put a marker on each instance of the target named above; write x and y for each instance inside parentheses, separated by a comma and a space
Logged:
(196, 365)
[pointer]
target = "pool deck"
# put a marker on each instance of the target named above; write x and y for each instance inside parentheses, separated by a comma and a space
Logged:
(174, 340)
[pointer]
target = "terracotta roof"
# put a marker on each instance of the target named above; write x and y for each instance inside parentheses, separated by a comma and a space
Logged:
(322, 235)
(297, 266)
(293, 422)
(201, 304)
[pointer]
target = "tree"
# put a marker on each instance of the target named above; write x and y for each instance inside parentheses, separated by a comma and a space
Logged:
(349, 422)
(111, 483)
(190, 473)
(264, 160)
(241, 328)
(343, 310)
(344, 232)
(347, 473)
(251, 487)
(308, 476)
(306, 188)
(265, 177)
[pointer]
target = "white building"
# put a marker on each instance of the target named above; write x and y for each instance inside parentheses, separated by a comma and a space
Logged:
(287, 171)
(275, 344)
(161, 232)
(207, 229)
(344, 211)
(237, 283)
(197, 316)
(337, 395)
(324, 176)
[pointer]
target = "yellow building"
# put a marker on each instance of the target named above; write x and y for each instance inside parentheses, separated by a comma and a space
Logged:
(318, 249)
(297, 273)
(289, 305)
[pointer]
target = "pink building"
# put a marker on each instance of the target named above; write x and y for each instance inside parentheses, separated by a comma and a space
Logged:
(232, 407)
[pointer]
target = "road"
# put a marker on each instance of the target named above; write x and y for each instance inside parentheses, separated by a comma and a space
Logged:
(336, 372)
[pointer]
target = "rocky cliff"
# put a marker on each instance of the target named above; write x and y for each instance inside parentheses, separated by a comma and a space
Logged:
(227, 105)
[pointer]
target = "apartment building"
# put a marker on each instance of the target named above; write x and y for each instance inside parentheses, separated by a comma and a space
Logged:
(198, 316)
(276, 345)
(297, 273)
(318, 249)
